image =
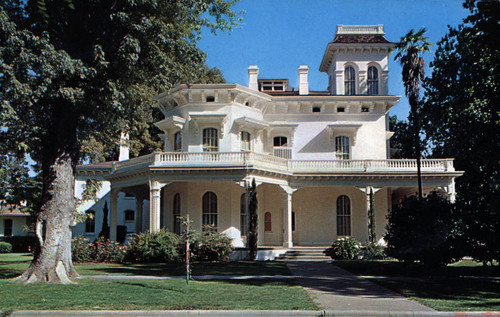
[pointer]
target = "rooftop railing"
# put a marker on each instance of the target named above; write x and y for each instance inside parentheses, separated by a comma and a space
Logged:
(278, 164)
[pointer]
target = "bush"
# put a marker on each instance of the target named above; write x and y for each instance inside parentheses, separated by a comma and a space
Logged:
(108, 251)
(373, 251)
(423, 230)
(5, 247)
(344, 249)
(157, 247)
(209, 245)
(21, 244)
(82, 250)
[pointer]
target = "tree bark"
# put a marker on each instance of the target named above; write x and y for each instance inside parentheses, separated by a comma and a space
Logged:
(52, 261)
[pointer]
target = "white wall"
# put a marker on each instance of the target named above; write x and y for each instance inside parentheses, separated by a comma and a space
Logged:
(18, 224)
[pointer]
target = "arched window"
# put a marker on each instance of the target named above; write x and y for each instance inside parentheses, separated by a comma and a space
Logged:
(176, 213)
(90, 221)
(243, 214)
(7, 227)
(129, 215)
(268, 224)
(372, 80)
(342, 147)
(245, 141)
(350, 81)
(281, 148)
(178, 141)
(209, 212)
(210, 140)
(343, 216)
(280, 141)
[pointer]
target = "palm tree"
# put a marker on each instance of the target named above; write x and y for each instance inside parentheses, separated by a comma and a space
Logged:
(408, 50)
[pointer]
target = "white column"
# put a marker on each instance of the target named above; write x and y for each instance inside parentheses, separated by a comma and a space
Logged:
(139, 203)
(452, 195)
(154, 210)
(303, 82)
(113, 213)
(287, 221)
(253, 73)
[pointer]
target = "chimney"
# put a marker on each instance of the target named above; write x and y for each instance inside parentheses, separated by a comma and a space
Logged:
(303, 84)
(253, 72)
(124, 154)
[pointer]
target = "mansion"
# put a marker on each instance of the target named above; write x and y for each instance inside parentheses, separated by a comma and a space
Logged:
(320, 159)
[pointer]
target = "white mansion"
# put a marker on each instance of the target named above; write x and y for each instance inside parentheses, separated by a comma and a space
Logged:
(315, 155)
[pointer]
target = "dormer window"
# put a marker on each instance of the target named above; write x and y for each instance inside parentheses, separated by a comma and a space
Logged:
(178, 141)
(342, 147)
(210, 99)
(365, 109)
(340, 109)
(245, 141)
(349, 81)
(316, 109)
(372, 80)
(210, 140)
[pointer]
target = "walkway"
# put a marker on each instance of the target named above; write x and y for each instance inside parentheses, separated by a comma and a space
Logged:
(337, 290)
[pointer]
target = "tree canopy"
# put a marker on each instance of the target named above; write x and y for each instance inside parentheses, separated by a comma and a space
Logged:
(461, 119)
(75, 74)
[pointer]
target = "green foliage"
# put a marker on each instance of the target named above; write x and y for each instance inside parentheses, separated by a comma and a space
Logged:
(373, 251)
(424, 230)
(402, 139)
(82, 250)
(252, 237)
(162, 246)
(344, 249)
(101, 251)
(462, 120)
(5, 247)
(209, 245)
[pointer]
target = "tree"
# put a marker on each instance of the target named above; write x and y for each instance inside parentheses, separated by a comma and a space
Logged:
(70, 80)
(408, 50)
(462, 120)
(402, 140)
(252, 237)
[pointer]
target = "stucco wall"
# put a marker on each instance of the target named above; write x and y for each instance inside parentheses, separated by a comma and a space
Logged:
(18, 224)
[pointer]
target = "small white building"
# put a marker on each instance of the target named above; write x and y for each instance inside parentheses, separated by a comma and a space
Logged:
(315, 155)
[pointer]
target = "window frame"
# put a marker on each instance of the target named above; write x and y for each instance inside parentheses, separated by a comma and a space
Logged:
(268, 222)
(177, 146)
(340, 147)
(176, 213)
(372, 84)
(210, 139)
(209, 210)
(243, 215)
(90, 222)
(8, 230)
(245, 145)
(350, 83)
(344, 214)
(127, 219)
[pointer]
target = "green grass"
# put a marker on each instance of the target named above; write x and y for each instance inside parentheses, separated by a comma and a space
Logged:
(91, 294)
(463, 286)
(12, 265)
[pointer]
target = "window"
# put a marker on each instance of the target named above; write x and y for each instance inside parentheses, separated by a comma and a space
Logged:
(293, 220)
(243, 215)
(129, 215)
(340, 109)
(176, 213)
(7, 227)
(245, 141)
(365, 109)
(90, 222)
(209, 212)
(372, 80)
(342, 148)
(267, 222)
(210, 99)
(316, 109)
(280, 141)
(350, 81)
(210, 140)
(343, 216)
(178, 141)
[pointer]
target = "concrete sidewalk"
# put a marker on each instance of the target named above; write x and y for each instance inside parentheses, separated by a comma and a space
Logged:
(337, 290)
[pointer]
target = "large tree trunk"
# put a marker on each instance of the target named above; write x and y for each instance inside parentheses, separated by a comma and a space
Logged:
(52, 262)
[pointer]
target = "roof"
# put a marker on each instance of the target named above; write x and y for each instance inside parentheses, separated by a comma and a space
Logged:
(12, 211)
(95, 168)
(360, 39)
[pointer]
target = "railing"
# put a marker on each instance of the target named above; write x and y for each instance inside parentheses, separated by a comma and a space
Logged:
(279, 164)
(360, 29)
(283, 152)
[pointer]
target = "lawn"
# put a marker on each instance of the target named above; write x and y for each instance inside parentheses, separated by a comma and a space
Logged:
(124, 294)
(464, 286)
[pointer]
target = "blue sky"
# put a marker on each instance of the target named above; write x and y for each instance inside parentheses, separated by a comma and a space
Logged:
(278, 36)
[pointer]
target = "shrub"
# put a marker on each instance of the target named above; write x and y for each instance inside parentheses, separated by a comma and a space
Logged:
(209, 245)
(157, 247)
(21, 243)
(5, 247)
(108, 251)
(82, 250)
(344, 249)
(373, 251)
(423, 230)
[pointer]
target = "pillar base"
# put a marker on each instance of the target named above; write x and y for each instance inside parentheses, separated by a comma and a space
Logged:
(288, 245)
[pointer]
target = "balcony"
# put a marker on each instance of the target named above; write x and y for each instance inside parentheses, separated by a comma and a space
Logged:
(278, 164)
